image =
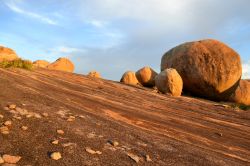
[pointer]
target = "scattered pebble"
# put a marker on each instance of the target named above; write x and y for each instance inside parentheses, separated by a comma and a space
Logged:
(81, 116)
(148, 159)
(55, 155)
(12, 106)
(28, 116)
(68, 144)
(219, 134)
(60, 132)
(7, 123)
(134, 157)
(71, 119)
(38, 116)
(55, 142)
(11, 159)
(6, 108)
(91, 135)
(24, 128)
(114, 143)
(45, 114)
(1, 160)
(89, 150)
(17, 117)
(1, 116)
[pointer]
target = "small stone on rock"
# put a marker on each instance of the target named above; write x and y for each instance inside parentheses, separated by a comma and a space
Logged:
(55, 155)
(1, 160)
(45, 114)
(148, 159)
(7, 123)
(60, 132)
(89, 150)
(6, 108)
(134, 157)
(114, 143)
(1, 116)
(11, 159)
(24, 128)
(55, 142)
(12, 106)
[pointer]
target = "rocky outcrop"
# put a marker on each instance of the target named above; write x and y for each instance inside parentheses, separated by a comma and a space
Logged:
(146, 76)
(169, 82)
(242, 93)
(62, 64)
(94, 74)
(41, 63)
(129, 78)
(7, 54)
(208, 68)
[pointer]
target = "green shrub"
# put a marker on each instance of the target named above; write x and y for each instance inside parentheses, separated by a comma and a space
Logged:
(18, 63)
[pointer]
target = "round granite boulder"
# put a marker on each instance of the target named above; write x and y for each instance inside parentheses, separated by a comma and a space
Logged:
(209, 68)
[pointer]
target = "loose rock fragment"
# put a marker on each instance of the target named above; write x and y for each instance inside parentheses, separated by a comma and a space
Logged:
(89, 150)
(55, 142)
(55, 155)
(6, 108)
(71, 118)
(12, 106)
(114, 143)
(148, 159)
(45, 114)
(24, 128)
(1, 160)
(7, 123)
(60, 132)
(134, 157)
(11, 159)
(1, 116)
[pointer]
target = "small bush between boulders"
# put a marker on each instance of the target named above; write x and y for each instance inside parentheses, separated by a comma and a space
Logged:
(18, 63)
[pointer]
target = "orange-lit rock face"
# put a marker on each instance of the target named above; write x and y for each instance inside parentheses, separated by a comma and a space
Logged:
(242, 93)
(129, 78)
(169, 82)
(208, 68)
(7, 54)
(146, 76)
(41, 63)
(62, 64)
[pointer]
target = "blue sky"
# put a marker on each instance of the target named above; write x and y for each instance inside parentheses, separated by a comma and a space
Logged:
(113, 36)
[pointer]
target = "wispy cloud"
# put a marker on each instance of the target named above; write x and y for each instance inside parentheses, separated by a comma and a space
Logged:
(15, 8)
(63, 50)
(246, 70)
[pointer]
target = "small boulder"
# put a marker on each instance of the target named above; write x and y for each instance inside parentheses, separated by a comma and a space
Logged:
(146, 76)
(56, 156)
(41, 63)
(11, 159)
(62, 64)
(242, 93)
(169, 82)
(94, 74)
(7, 54)
(129, 78)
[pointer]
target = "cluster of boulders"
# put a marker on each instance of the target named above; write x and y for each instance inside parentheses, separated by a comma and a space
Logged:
(61, 64)
(206, 68)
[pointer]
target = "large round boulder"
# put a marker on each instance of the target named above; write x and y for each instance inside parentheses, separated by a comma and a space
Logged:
(146, 76)
(7, 54)
(242, 93)
(62, 64)
(209, 68)
(129, 78)
(169, 82)
(41, 63)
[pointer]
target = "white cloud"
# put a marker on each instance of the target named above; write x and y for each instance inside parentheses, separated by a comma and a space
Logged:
(97, 23)
(66, 50)
(246, 70)
(12, 5)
